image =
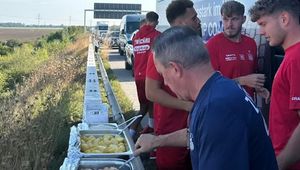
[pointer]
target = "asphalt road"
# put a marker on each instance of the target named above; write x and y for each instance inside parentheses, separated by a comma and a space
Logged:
(117, 64)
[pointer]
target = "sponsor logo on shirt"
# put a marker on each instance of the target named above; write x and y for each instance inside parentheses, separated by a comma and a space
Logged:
(142, 41)
(141, 48)
(250, 56)
(230, 57)
(295, 98)
(242, 57)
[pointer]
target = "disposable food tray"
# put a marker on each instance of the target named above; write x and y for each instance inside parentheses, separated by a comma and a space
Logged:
(98, 133)
(103, 126)
(101, 163)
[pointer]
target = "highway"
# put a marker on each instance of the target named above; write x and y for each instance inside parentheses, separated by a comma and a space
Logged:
(117, 64)
(124, 76)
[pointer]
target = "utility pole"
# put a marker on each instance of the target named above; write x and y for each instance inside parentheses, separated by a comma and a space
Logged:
(38, 18)
(85, 19)
(70, 19)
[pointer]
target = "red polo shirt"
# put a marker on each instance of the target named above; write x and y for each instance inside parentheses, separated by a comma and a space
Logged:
(285, 100)
(233, 59)
(167, 120)
(142, 42)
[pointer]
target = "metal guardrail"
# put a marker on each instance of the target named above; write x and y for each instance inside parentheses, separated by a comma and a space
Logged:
(116, 109)
(96, 112)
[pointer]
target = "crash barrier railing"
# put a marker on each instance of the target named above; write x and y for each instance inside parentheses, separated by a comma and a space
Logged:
(117, 112)
(98, 122)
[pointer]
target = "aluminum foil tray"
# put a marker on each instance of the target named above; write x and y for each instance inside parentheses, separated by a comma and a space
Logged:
(103, 126)
(101, 163)
(97, 133)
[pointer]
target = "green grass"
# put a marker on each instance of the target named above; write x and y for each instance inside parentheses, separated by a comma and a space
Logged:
(23, 59)
(37, 113)
(124, 102)
(41, 93)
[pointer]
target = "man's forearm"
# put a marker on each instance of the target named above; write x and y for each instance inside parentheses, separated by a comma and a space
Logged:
(177, 139)
(239, 80)
(156, 94)
(148, 142)
(251, 80)
(290, 154)
(165, 99)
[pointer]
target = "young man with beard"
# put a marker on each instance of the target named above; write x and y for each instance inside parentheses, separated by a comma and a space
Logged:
(279, 22)
(235, 54)
(226, 129)
(171, 113)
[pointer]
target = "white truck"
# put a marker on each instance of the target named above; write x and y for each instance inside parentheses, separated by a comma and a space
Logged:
(101, 28)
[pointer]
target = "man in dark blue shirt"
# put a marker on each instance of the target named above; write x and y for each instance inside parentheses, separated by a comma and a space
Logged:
(226, 130)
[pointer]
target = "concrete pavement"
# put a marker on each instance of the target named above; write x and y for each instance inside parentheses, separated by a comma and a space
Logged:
(117, 64)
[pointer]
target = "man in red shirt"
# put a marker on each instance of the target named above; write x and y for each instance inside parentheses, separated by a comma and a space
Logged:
(234, 54)
(142, 42)
(280, 23)
(171, 113)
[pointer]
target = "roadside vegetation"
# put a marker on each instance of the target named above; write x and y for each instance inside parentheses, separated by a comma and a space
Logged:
(25, 34)
(41, 97)
(124, 102)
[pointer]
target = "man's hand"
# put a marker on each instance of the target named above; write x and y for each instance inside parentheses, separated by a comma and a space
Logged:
(148, 142)
(252, 80)
(263, 92)
(188, 106)
(145, 143)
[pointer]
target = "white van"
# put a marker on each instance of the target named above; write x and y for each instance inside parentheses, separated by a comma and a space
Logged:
(128, 25)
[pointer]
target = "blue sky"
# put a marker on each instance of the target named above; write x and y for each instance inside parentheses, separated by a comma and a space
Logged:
(56, 12)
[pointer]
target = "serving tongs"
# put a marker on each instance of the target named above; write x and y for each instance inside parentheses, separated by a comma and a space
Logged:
(126, 162)
(131, 120)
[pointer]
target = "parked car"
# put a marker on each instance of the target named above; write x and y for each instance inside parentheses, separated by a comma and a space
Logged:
(102, 37)
(112, 39)
(129, 59)
(128, 25)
